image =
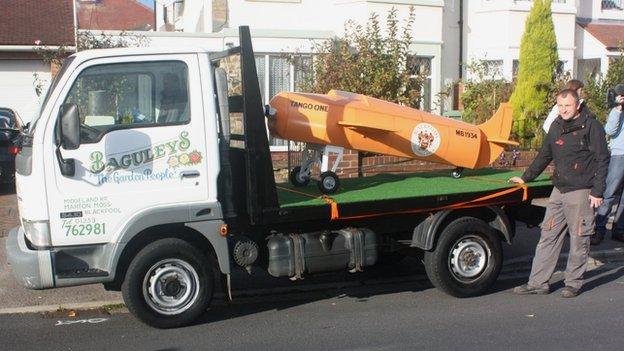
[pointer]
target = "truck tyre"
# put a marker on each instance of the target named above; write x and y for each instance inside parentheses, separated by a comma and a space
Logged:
(169, 284)
(467, 258)
(296, 179)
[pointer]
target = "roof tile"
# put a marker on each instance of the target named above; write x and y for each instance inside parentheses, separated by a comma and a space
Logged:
(25, 21)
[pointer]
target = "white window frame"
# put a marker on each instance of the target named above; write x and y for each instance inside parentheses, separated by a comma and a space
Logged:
(267, 86)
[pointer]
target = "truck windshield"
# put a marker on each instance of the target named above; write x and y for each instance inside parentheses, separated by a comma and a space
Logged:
(53, 85)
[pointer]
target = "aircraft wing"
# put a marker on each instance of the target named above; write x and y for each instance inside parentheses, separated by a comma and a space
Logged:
(363, 128)
(503, 141)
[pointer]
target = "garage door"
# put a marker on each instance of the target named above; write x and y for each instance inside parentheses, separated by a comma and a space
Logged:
(17, 88)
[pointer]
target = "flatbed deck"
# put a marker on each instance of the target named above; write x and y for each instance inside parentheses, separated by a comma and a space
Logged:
(386, 194)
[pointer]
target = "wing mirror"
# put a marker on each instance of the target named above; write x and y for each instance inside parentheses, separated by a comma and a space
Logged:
(67, 136)
(68, 127)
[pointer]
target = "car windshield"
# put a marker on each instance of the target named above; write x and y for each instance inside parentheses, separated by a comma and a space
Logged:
(53, 85)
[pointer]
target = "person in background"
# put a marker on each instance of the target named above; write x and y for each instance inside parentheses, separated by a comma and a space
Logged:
(615, 176)
(577, 86)
(578, 147)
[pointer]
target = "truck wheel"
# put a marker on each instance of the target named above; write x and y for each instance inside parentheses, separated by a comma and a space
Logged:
(296, 179)
(457, 172)
(168, 284)
(328, 183)
(467, 258)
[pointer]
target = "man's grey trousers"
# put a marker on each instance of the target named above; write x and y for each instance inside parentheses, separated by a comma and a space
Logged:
(569, 211)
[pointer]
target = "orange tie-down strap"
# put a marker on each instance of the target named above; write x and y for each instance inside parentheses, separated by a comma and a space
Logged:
(523, 186)
(335, 214)
(332, 204)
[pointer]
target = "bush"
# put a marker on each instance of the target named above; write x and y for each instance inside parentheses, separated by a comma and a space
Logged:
(366, 62)
(484, 91)
(596, 88)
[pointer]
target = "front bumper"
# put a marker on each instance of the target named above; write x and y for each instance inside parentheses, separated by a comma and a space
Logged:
(31, 268)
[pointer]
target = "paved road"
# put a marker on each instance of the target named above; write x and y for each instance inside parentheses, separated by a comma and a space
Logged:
(382, 317)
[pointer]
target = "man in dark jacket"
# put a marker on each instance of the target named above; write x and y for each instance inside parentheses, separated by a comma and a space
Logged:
(577, 145)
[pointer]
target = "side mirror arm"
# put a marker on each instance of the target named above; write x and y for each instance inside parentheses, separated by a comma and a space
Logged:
(67, 166)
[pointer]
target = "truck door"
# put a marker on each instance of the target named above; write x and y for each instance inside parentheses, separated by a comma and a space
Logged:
(142, 147)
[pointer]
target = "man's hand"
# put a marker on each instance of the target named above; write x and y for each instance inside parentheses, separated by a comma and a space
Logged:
(595, 202)
(516, 180)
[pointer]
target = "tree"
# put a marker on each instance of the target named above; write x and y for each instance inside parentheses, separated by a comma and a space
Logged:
(596, 87)
(538, 60)
(367, 62)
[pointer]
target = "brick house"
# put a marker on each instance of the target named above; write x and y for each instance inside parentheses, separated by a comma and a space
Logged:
(24, 23)
(128, 15)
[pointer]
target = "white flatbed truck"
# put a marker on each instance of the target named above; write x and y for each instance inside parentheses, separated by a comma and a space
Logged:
(149, 171)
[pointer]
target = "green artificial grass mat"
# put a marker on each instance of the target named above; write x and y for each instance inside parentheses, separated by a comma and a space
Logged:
(397, 186)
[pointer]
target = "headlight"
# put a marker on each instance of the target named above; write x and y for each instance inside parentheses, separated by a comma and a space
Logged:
(37, 232)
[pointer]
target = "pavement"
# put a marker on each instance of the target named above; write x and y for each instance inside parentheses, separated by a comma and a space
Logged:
(16, 299)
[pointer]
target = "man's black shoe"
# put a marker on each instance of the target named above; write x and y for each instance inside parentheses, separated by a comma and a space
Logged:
(596, 239)
(526, 289)
(569, 291)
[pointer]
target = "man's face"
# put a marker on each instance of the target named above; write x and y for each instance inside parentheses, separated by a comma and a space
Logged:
(567, 106)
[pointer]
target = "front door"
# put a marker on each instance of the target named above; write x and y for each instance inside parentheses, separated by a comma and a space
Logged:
(142, 146)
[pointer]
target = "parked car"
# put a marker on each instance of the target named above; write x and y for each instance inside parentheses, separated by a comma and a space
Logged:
(10, 127)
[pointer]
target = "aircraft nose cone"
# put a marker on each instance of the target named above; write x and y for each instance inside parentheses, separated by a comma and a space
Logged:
(278, 113)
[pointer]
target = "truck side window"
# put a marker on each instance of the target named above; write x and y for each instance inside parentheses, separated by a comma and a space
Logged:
(130, 95)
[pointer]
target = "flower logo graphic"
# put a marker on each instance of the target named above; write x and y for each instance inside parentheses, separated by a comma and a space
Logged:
(184, 159)
(173, 162)
(195, 157)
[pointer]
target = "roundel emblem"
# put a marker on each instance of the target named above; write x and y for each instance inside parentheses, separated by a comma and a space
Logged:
(425, 139)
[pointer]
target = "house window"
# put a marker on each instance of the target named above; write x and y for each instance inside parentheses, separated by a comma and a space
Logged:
(261, 70)
(494, 68)
(421, 66)
(276, 73)
(303, 72)
(613, 5)
(173, 13)
(588, 69)
(560, 69)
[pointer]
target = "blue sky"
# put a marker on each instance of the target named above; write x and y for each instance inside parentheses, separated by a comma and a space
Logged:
(149, 3)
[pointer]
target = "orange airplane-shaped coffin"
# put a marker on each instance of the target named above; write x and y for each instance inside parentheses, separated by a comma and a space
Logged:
(362, 123)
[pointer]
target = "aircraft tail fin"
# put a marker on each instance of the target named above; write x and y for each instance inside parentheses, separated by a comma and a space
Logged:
(497, 130)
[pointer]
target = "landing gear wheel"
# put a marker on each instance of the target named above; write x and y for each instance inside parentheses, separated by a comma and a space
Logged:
(467, 259)
(457, 172)
(169, 284)
(328, 182)
(296, 179)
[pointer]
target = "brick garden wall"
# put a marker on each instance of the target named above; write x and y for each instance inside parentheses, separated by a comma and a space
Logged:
(372, 165)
